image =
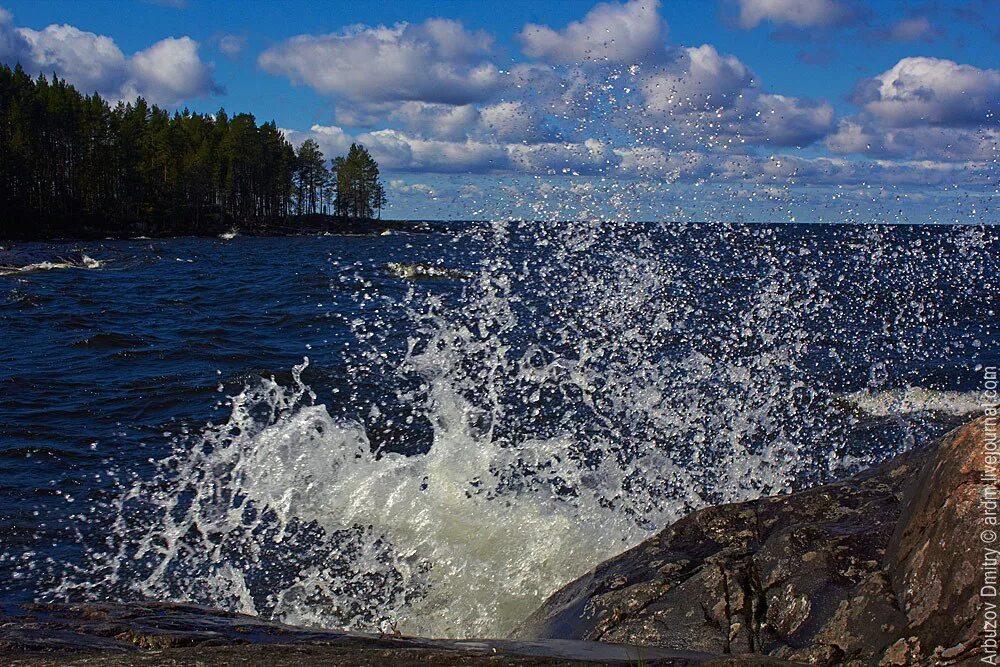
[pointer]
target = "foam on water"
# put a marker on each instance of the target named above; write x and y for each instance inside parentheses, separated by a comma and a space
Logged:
(910, 400)
(81, 262)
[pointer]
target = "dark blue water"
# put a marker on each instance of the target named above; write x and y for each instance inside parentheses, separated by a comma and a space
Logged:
(103, 365)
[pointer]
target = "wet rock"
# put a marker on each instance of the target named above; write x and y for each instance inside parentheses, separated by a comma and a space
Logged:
(178, 634)
(937, 556)
(880, 569)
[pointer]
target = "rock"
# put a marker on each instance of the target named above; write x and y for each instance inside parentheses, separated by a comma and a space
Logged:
(148, 633)
(936, 557)
(880, 569)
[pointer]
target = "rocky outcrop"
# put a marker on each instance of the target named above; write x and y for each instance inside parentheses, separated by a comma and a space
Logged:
(881, 569)
(158, 633)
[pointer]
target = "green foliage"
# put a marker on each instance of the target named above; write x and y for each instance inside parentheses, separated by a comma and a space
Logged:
(359, 193)
(311, 178)
(69, 160)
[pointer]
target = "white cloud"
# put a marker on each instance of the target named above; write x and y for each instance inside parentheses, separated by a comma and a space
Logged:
(332, 140)
(609, 33)
(403, 152)
(917, 91)
(790, 121)
(588, 157)
(794, 170)
(669, 165)
(91, 62)
(715, 97)
(170, 72)
(797, 13)
(857, 136)
(512, 121)
(470, 191)
(682, 113)
(434, 61)
(441, 121)
(231, 46)
(850, 137)
(167, 73)
(698, 77)
(412, 188)
(924, 109)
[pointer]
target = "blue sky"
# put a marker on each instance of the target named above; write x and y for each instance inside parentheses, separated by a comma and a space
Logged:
(769, 109)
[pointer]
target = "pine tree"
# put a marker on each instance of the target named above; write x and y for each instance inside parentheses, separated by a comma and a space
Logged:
(359, 191)
(69, 163)
(311, 177)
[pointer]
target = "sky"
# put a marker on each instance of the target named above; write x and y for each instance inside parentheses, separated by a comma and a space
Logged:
(805, 110)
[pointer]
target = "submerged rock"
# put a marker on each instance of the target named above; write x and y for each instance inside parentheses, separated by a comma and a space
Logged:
(884, 568)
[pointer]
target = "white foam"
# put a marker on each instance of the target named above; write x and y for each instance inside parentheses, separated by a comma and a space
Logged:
(910, 400)
(85, 262)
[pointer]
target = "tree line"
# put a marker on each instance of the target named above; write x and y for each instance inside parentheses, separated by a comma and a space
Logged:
(71, 163)
(349, 188)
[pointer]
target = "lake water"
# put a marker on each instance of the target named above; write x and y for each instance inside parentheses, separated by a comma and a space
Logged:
(486, 412)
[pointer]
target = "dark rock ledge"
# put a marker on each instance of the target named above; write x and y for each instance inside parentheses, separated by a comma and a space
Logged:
(880, 569)
(159, 633)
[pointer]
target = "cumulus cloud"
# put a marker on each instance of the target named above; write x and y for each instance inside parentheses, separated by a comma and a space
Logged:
(403, 152)
(795, 170)
(440, 121)
(698, 76)
(790, 121)
(167, 73)
(92, 62)
(673, 113)
(795, 13)
(921, 90)
(400, 151)
(332, 140)
(435, 61)
(924, 109)
(854, 135)
(591, 156)
(512, 121)
(715, 96)
(668, 165)
(170, 72)
(609, 33)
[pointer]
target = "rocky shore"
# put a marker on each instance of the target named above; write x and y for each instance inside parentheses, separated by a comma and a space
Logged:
(884, 568)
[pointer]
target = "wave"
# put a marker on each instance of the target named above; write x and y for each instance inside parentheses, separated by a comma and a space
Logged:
(574, 401)
(80, 261)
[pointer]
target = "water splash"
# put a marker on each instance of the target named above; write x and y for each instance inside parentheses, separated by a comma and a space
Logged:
(578, 394)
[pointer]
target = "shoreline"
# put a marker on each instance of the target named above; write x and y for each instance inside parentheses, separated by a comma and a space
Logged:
(312, 225)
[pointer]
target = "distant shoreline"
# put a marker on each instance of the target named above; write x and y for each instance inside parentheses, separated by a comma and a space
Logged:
(305, 225)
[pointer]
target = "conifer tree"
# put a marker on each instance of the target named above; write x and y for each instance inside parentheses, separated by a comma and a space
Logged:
(69, 161)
